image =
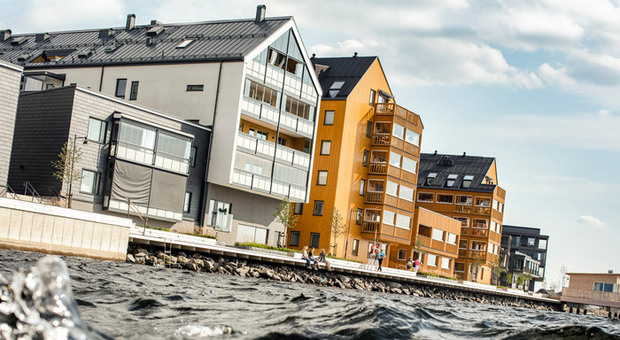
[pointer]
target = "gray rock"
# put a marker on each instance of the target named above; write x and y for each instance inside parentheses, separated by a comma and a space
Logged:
(130, 258)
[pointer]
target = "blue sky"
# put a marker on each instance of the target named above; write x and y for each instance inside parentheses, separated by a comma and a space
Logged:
(534, 84)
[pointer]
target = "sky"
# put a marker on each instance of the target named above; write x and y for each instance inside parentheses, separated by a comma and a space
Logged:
(535, 84)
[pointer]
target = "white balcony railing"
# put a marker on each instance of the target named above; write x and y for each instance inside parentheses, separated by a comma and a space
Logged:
(262, 147)
(296, 124)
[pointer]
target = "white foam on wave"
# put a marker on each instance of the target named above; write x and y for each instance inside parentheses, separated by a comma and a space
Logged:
(203, 331)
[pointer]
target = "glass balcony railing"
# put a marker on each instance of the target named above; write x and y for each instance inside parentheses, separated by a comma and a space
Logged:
(258, 110)
(266, 148)
(296, 124)
(267, 185)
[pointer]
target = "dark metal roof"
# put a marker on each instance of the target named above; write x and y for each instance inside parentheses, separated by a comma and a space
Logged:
(214, 40)
(524, 231)
(348, 70)
(461, 165)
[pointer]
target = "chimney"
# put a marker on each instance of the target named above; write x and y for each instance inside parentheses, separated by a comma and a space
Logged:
(611, 271)
(435, 152)
(260, 13)
(5, 35)
(464, 154)
(155, 23)
(149, 41)
(105, 33)
(41, 37)
(131, 22)
(354, 54)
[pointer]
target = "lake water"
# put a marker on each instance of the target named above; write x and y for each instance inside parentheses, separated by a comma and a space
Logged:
(89, 299)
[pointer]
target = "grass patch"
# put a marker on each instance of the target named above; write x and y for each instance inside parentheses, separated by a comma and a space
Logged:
(436, 275)
(263, 246)
(342, 258)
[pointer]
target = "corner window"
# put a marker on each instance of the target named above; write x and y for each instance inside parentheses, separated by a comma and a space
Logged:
(90, 182)
(329, 118)
(321, 178)
(395, 159)
(195, 88)
(188, 202)
(121, 87)
(412, 137)
(133, 92)
(96, 130)
(388, 217)
(398, 131)
(409, 165)
(318, 208)
(294, 238)
(326, 146)
(391, 188)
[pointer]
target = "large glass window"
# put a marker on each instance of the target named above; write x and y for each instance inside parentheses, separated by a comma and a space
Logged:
(262, 93)
(402, 221)
(97, 130)
(603, 287)
(406, 193)
(298, 108)
(137, 135)
(425, 197)
(173, 146)
(321, 178)
(392, 189)
(382, 128)
(395, 159)
(121, 88)
(398, 131)
(409, 165)
(388, 217)
(412, 137)
(90, 181)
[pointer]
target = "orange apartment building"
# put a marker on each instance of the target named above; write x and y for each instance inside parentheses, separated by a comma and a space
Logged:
(466, 189)
(365, 164)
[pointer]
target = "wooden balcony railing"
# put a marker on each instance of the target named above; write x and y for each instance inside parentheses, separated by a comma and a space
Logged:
(377, 169)
(374, 197)
(370, 227)
(462, 209)
(382, 140)
(479, 232)
(482, 210)
(384, 109)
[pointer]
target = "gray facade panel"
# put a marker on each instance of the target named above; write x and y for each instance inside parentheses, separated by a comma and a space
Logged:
(9, 94)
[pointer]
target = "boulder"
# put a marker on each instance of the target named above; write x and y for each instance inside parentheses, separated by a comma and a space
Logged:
(130, 258)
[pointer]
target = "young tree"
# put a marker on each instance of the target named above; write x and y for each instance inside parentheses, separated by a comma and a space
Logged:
(65, 169)
(476, 264)
(336, 228)
(418, 246)
(496, 271)
(285, 215)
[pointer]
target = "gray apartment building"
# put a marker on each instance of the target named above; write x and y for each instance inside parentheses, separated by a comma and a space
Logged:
(249, 80)
(10, 76)
(133, 160)
(524, 251)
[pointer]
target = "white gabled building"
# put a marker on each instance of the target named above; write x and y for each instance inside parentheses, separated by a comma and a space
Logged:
(250, 80)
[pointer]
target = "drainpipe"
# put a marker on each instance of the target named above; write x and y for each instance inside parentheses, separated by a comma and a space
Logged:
(205, 184)
(101, 78)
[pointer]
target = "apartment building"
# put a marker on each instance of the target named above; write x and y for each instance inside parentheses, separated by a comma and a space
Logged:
(523, 251)
(131, 160)
(366, 163)
(10, 76)
(466, 188)
(249, 80)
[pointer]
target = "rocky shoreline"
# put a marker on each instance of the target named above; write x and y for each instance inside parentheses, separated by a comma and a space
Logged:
(233, 266)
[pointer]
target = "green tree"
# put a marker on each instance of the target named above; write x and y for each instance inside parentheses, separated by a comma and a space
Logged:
(476, 264)
(418, 246)
(496, 271)
(285, 215)
(336, 228)
(65, 169)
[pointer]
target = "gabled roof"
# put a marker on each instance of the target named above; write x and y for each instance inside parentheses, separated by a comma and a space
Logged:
(212, 41)
(460, 165)
(343, 69)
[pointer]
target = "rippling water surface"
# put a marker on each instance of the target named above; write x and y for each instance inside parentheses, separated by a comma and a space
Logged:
(125, 301)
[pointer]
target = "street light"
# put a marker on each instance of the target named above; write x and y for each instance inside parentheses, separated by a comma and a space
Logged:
(70, 198)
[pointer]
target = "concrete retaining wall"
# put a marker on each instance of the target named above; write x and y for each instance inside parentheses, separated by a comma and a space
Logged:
(56, 230)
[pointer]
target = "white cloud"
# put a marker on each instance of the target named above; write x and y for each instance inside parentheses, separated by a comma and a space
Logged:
(590, 222)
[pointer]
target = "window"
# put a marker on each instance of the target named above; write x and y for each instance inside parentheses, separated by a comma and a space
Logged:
(293, 66)
(358, 217)
(425, 231)
(373, 94)
(220, 215)
(388, 217)
(298, 208)
(430, 178)
(258, 134)
(362, 184)
(261, 93)
(445, 199)
(294, 238)
(96, 130)
(326, 146)
(406, 193)
(371, 215)
(185, 43)
(463, 244)
(467, 181)
(412, 137)
(395, 159)
(356, 247)
(365, 158)
(445, 263)
(282, 141)
(464, 221)
(431, 260)
(478, 246)
(318, 208)
(187, 203)
(463, 200)
(459, 267)
(192, 156)
(451, 238)
(121, 87)
(398, 131)
(425, 197)
(451, 179)
(402, 254)
(542, 244)
(329, 118)
(90, 182)
(392, 189)
(195, 88)
(298, 108)
(276, 59)
(133, 91)
(481, 224)
(603, 287)
(321, 178)
(409, 165)
(314, 240)
(378, 156)
(437, 234)
(483, 202)
(368, 128)
(382, 128)
(531, 241)
(402, 221)
(497, 205)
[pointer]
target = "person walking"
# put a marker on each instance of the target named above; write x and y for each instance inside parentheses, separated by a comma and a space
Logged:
(371, 257)
(380, 257)
(409, 264)
(416, 266)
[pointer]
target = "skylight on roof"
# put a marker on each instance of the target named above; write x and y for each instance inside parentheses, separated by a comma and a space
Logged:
(185, 43)
(429, 179)
(451, 179)
(337, 85)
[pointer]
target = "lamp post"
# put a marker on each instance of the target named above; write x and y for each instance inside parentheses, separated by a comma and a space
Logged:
(70, 198)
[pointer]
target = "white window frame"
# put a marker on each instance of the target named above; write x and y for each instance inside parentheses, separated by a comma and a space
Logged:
(389, 217)
(415, 135)
(400, 128)
(437, 199)
(427, 193)
(94, 185)
(451, 238)
(456, 200)
(445, 263)
(388, 186)
(393, 156)
(404, 167)
(399, 222)
(431, 260)
(438, 234)
(402, 192)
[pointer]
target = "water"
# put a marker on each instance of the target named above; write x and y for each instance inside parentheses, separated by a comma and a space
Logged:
(111, 300)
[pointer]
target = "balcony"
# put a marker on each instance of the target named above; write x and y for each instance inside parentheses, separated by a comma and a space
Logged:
(479, 232)
(391, 109)
(381, 140)
(482, 210)
(374, 197)
(462, 209)
(267, 185)
(293, 157)
(377, 169)
(267, 149)
(384, 109)
(297, 124)
(386, 233)
(260, 111)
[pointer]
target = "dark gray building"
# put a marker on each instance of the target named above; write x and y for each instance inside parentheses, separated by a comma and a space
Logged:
(523, 251)
(129, 154)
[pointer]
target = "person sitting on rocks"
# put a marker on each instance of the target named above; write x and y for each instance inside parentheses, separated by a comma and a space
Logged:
(323, 258)
(305, 256)
(315, 262)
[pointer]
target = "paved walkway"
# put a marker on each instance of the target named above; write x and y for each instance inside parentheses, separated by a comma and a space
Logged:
(185, 242)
